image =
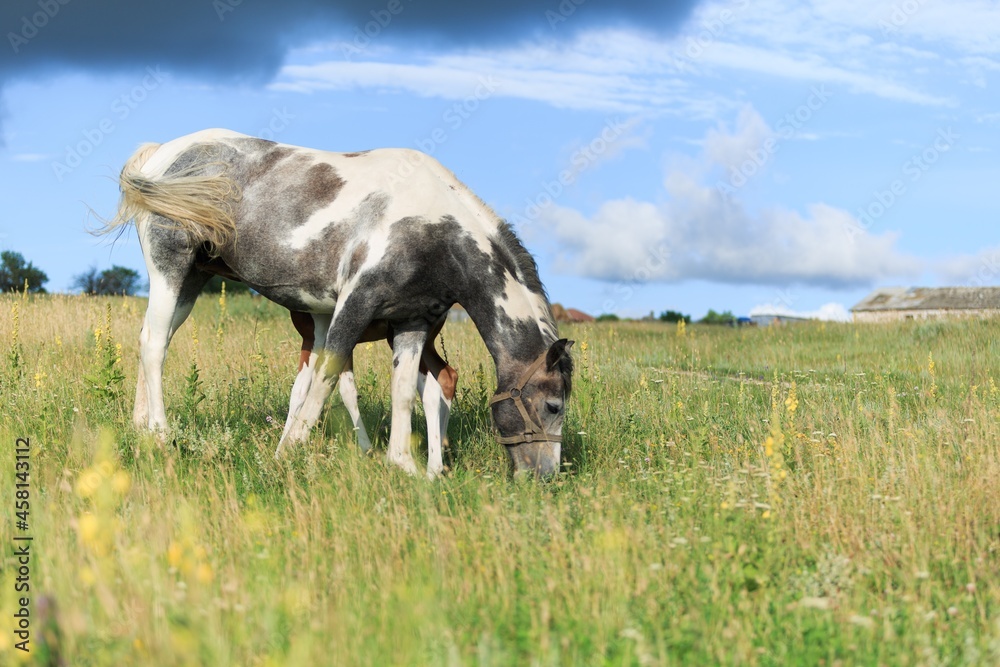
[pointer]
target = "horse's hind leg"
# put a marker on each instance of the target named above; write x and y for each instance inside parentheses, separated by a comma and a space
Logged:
(140, 412)
(171, 298)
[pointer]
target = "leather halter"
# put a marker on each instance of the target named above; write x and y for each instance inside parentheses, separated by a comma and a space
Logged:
(533, 430)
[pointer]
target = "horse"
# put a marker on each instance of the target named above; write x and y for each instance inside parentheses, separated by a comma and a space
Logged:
(387, 235)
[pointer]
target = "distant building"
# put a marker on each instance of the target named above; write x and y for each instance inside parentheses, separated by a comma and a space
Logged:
(767, 319)
(574, 315)
(890, 304)
(569, 314)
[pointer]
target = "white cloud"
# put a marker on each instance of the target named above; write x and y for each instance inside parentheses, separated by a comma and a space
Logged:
(982, 268)
(731, 149)
(811, 68)
(627, 71)
(704, 236)
(702, 233)
(609, 70)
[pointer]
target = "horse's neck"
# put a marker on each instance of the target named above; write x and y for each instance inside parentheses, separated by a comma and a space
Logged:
(513, 343)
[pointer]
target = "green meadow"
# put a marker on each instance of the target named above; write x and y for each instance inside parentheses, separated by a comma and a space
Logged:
(818, 494)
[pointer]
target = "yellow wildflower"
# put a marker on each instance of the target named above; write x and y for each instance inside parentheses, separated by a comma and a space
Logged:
(174, 554)
(88, 527)
(204, 573)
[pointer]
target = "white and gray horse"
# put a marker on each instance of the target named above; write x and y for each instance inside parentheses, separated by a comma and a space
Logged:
(384, 238)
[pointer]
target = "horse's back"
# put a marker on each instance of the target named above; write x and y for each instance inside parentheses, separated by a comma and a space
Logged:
(310, 221)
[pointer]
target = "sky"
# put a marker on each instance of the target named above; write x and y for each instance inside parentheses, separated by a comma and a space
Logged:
(744, 155)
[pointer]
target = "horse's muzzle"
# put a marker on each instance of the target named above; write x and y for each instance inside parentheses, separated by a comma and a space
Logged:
(540, 458)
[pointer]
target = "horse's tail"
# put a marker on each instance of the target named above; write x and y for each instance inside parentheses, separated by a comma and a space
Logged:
(199, 204)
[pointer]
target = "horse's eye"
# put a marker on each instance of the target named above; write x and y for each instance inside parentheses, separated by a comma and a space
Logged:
(553, 408)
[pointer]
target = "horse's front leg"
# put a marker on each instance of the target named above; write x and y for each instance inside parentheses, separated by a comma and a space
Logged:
(437, 389)
(349, 393)
(327, 363)
(322, 376)
(407, 346)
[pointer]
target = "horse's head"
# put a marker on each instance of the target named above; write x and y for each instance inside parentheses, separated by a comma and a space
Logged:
(529, 414)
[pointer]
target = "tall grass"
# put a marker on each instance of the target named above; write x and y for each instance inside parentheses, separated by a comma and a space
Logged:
(812, 494)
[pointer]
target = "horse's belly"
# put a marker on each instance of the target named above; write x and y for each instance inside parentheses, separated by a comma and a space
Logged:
(294, 298)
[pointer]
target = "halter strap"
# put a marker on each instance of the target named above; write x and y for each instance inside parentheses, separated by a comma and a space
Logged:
(533, 430)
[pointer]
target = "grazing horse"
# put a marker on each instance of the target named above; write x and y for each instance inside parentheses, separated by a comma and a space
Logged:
(352, 238)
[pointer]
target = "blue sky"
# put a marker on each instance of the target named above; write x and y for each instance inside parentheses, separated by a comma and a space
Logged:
(749, 154)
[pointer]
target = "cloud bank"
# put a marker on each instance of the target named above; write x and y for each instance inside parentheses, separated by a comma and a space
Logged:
(247, 39)
(701, 232)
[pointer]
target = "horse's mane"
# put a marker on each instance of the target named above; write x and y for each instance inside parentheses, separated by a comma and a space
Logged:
(522, 259)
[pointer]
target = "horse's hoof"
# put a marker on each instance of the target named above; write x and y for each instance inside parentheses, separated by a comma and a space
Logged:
(406, 463)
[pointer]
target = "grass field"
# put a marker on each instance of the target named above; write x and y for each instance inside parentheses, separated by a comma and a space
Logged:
(809, 495)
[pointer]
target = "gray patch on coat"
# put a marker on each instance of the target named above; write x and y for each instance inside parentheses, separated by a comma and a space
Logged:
(282, 187)
(290, 190)
(170, 250)
(370, 211)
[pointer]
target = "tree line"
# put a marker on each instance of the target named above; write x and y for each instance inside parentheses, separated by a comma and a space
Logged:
(671, 316)
(16, 272)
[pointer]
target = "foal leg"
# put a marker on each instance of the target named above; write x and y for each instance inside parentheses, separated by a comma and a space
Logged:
(311, 328)
(407, 346)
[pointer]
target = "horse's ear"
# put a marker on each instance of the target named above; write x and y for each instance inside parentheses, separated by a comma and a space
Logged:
(557, 351)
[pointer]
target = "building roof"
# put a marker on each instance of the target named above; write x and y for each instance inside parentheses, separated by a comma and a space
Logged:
(575, 315)
(930, 298)
(768, 316)
(561, 314)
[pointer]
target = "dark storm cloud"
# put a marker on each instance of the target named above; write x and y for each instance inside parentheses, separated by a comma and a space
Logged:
(247, 39)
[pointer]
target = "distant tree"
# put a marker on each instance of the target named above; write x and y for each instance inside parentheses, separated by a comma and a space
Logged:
(117, 280)
(87, 282)
(608, 317)
(674, 316)
(14, 271)
(712, 317)
(214, 286)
